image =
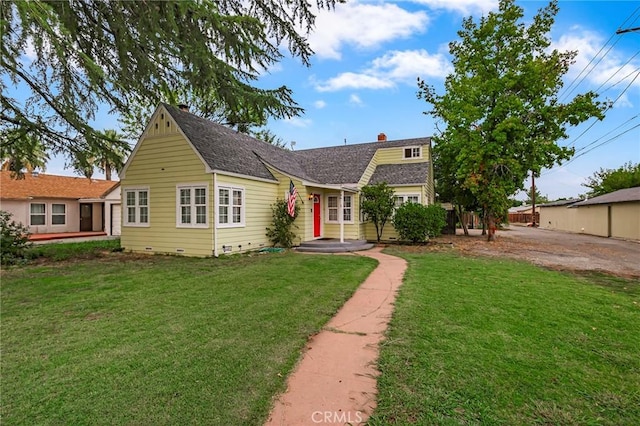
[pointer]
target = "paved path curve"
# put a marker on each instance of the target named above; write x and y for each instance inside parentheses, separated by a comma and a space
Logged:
(335, 382)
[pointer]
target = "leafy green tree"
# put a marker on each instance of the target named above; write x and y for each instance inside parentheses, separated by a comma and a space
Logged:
(605, 181)
(377, 202)
(501, 107)
(21, 151)
(540, 199)
(280, 233)
(112, 156)
(268, 136)
(449, 187)
(75, 56)
(411, 222)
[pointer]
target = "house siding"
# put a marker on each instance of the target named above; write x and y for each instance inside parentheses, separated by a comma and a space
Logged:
(625, 220)
(258, 198)
(396, 155)
(20, 209)
(161, 163)
(389, 233)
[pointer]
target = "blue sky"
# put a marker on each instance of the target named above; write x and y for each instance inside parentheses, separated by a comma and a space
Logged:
(362, 80)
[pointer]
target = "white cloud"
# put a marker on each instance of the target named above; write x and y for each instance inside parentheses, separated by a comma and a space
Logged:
(464, 7)
(355, 100)
(350, 80)
(410, 64)
(363, 26)
(609, 69)
(298, 122)
(391, 68)
(320, 104)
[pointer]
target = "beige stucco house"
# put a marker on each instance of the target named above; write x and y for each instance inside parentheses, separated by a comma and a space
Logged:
(48, 204)
(195, 187)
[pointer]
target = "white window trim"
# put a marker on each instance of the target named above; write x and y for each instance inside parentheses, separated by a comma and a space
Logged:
(407, 195)
(340, 209)
(59, 214)
(243, 208)
(404, 148)
(125, 207)
(44, 214)
(193, 187)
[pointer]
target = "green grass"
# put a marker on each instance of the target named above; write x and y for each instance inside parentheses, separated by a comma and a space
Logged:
(484, 341)
(123, 339)
(67, 251)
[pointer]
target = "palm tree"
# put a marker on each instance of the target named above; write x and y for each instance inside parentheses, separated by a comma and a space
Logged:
(112, 154)
(21, 151)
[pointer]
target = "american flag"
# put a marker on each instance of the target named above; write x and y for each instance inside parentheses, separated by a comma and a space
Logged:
(291, 202)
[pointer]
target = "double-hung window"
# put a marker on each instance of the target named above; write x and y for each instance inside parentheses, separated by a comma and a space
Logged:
(191, 203)
(58, 214)
(37, 214)
(230, 206)
(137, 206)
(333, 209)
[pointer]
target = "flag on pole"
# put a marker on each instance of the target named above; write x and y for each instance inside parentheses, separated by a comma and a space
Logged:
(291, 202)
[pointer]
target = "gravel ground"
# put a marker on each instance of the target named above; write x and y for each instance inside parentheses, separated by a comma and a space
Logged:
(555, 249)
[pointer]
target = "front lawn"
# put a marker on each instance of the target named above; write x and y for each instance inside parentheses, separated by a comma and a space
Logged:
(484, 341)
(124, 339)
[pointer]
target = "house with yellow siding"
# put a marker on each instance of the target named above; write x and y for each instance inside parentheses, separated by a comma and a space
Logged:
(194, 187)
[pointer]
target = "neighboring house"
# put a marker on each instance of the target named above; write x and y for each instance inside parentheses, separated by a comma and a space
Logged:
(195, 187)
(58, 204)
(616, 214)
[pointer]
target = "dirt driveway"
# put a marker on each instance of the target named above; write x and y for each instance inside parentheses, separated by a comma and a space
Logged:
(555, 249)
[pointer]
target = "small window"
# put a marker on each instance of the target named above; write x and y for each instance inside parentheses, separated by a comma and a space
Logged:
(58, 214)
(137, 207)
(406, 198)
(37, 217)
(412, 152)
(332, 205)
(192, 206)
(230, 206)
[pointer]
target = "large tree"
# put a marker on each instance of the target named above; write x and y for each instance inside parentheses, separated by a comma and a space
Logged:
(73, 56)
(501, 108)
(605, 181)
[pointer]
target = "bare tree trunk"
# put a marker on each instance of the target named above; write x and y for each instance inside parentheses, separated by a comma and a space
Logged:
(491, 235)
(107, 171)
(461, 219)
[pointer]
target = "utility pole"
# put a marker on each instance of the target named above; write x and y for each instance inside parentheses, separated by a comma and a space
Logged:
(533, 198)
(627, 30)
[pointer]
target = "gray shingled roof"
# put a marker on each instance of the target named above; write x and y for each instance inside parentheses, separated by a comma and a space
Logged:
(560, 203)
(400, 174)
(621, 196)
(225, 149)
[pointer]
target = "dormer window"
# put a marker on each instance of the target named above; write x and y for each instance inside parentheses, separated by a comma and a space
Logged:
(412, 152)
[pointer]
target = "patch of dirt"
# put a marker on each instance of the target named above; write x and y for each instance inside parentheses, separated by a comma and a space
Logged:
(551, 249)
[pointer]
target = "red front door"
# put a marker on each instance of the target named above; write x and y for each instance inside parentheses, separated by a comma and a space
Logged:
(316, 215)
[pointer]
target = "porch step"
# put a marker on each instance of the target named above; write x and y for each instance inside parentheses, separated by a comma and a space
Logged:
(333, 246)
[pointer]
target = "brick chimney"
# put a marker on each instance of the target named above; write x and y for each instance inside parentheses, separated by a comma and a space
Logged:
(382, 137)
(183, 107)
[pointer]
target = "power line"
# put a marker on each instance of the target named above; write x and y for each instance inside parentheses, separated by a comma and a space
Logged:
(610, 106)
(577, 81)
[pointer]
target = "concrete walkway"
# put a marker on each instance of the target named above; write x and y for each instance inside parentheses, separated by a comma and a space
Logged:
(335, 382)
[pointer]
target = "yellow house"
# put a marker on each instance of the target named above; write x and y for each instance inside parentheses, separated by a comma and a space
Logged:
(195, 187)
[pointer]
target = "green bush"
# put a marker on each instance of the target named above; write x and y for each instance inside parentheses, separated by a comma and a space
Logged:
(14, 240)
(415, 222)
(280, 233)
(436, 220)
